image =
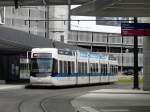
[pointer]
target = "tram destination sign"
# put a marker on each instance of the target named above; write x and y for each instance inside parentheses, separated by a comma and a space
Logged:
(135, 29)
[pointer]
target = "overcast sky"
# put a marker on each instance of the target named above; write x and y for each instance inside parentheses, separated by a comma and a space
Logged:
(91, 25)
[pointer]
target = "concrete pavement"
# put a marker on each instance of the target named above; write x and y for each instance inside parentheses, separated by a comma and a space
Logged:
(11, 86)
(113, 100)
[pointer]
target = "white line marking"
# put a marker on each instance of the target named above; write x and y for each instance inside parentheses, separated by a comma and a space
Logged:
(89, 109)
(11, 87)
(114, 110)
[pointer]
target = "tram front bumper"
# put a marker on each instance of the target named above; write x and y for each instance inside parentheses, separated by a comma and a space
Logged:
(40, 80)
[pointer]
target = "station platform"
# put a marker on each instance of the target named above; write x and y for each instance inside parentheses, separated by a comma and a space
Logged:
(11, 86)
(113, 100)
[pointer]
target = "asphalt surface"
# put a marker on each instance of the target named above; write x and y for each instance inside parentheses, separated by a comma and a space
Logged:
(46, 99)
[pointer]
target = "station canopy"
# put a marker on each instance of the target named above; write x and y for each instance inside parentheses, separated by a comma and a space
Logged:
(114, 8)
(41, 2)
(19, 41)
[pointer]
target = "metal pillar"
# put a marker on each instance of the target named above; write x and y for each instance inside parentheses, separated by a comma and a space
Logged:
(146, 64)
(146, 60)
(136, 80)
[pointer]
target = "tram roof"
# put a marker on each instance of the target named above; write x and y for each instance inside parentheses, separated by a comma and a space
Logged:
(114, 8)
(20, 41)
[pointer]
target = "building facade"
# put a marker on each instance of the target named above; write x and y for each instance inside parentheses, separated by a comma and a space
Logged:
(115, 44)
(44, 21)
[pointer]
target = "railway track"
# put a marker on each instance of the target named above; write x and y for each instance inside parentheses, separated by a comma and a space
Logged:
(38, 103)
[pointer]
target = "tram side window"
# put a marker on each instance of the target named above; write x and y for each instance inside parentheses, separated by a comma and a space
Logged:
(82, 67)
(79, 67)
(96, 68)
(69, 67)
(85, 67)
(111, 69)
(55, 66)
(102, 68)
(65, 67)
(106, 69)
(91, 67)
(72, 67)
(61, 66)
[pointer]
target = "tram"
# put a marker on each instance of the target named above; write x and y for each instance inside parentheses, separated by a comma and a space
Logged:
(59, 67)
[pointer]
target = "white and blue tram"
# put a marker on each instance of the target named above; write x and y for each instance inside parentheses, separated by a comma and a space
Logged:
(52, 66)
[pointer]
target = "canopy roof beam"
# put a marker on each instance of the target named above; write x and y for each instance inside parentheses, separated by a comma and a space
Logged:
(114, 8)
(17, 3)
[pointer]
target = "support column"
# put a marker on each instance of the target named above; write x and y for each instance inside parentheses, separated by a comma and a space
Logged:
(146, 59)
(146, 63)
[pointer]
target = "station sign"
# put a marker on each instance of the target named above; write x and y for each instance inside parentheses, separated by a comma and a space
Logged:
(42, 55)
(65, 52)
(135, 29)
